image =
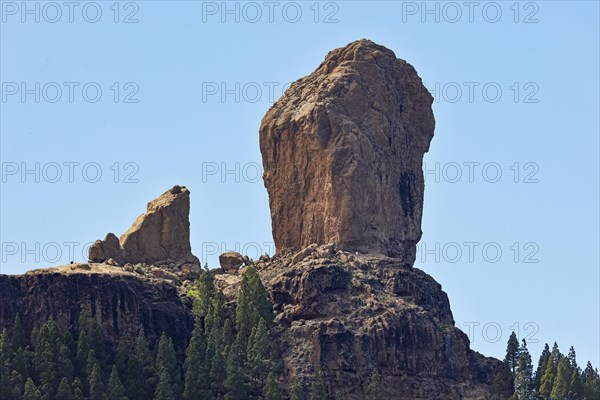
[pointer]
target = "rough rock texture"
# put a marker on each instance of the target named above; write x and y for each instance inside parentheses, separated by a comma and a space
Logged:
(231, 261)
(122, 302)
(342, 154)
(104, 250)
(347, 315)
(337, 312)
(161, 234)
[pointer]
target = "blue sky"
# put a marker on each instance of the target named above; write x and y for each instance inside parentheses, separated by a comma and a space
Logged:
(108, 105)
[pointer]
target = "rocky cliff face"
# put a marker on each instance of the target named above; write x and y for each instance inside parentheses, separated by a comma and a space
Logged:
(347, 314)
(161, 234)
(342, 154)
(122, 302)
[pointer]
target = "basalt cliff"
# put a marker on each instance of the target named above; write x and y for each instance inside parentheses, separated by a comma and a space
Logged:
(342, 153)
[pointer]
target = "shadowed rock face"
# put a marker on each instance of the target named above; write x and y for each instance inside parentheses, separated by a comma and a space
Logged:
(161, 233)
(342, 153)
(121, 302)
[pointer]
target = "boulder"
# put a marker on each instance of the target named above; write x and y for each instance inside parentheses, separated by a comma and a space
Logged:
(103, 250)
(231, 261)
(302, 254)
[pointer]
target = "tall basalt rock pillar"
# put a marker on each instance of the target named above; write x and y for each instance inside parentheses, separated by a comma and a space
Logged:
(342, 154)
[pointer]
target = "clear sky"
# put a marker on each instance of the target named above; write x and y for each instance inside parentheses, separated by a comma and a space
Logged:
(106, 105)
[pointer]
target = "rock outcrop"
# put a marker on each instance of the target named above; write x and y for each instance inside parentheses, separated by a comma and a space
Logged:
(342, 154)
(161, 234)
(123, 303)
(346, 315)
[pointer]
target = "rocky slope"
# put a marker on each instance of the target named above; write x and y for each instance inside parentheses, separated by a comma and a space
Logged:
(342, 154)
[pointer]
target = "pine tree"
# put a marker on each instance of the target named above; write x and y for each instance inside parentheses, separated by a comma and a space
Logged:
(83, 350)
(216, 349)
(258, 353)
(47, 345)
(16, 385)
(575, 385)
(243, 314)
(166, 362)
(218, 370)
(95, 383)
(235, 383)
(227, 335)
(375, 388)
(571, 357)
(503, 382)
(214, 321)
(541, 367)
(297, 391)
(94, 335)
(317, 390)
(555, 354)
(5, 355)
(271, 390)
(91, 362)
(547, 380)
(64, 390)
(19, 339)
(164, 389)
(64, 364)
(121, 358)
(252, 305)
(31, 391)
(523, 375)
(141, 371)
(591, 383)
(259, 297)
(135, 388)
(77, 389)
(203, 293)
(116, 391)
(512, 353)
(17, 391)
(71, 345)
(196, 367)
(21, 361)
(560, 389)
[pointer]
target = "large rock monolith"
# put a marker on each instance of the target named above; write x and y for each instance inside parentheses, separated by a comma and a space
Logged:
(342, 154)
